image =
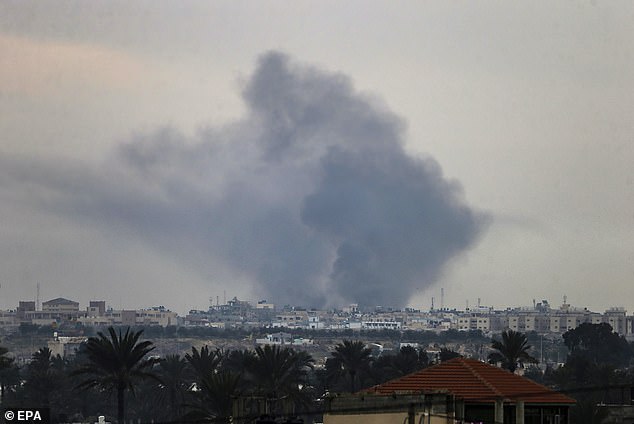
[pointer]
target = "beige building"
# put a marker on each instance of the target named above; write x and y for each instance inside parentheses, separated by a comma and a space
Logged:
(61, 306)
(65, 346)
(434, 407)
(152, 316)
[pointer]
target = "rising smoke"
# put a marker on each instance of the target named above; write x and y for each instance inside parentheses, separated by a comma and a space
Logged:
(311, 194)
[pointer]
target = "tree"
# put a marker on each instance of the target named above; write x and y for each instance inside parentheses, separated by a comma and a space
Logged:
(214, 398)
(446, 354)
(409, 360)
(205, 361)
(8, 372)
(42, 379)
(172, 372)
(237, 361)
(116, 362)
(596, 356)
(350, 358)
(406, 361)
(280, 373)
(511, 351)
(598, 344)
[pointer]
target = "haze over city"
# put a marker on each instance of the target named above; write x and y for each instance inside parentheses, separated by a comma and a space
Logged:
(157, 153)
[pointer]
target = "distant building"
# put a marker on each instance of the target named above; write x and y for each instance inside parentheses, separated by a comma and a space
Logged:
(380, 324)
(65, 346)
(61, 306)
(96, 308)
(24, 307)
(263, 304)
(53, 312)
(9, 321)
(97, 316)
(283, 339)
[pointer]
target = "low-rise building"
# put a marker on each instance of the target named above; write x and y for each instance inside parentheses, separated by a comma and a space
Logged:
(429, 407)
(283, 339)
(65, 346)
(481, 393)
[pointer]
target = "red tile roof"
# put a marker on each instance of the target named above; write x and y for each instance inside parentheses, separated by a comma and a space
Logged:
(474, 381)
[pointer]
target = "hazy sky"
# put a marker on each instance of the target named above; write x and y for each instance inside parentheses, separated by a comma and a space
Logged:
(168, 152)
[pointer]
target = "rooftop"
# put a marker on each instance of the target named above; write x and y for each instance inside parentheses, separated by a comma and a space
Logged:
(60, 301)
(474, 381)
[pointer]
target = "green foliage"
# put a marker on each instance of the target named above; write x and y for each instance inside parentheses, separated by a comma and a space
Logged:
(278, 373)
(446, 354)
(213, 402)
(512, 351)
(598, 344)
(205, 361)
(593, 370)
(115, 363)
(406, 361)
(350, 359)
(172, 372)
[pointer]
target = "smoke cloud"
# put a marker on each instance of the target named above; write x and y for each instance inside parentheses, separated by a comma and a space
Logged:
(311, 194)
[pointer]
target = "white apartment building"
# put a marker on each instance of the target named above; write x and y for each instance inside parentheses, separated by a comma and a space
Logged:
(380, 324)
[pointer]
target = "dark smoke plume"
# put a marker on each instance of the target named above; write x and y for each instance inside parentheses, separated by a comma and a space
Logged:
(311, 194)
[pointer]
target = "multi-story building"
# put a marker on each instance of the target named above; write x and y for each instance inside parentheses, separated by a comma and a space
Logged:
(53, 312)
(9, 321)
(291, 319)
(61, 306)
(616, 318)
(380, 324)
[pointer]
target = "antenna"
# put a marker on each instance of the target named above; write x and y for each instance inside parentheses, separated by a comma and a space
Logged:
(467, 302)
(565, 300)
(37, 298)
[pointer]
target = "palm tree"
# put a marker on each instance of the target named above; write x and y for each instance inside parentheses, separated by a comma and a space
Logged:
(172, 372)
(409, 360)
(42, 380)
(237, 361)
(205, 361)
(214, 398)
(511, 351)
(279, 373)
(350, 358)
(446, 354)
(116, 362)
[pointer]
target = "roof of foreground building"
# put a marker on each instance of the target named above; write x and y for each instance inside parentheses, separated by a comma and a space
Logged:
(473, 381)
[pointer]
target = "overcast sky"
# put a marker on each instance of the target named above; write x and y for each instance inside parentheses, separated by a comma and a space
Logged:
(166, 153)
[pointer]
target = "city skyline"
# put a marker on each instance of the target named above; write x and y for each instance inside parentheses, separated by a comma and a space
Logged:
(517, 117)
(434, 304)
